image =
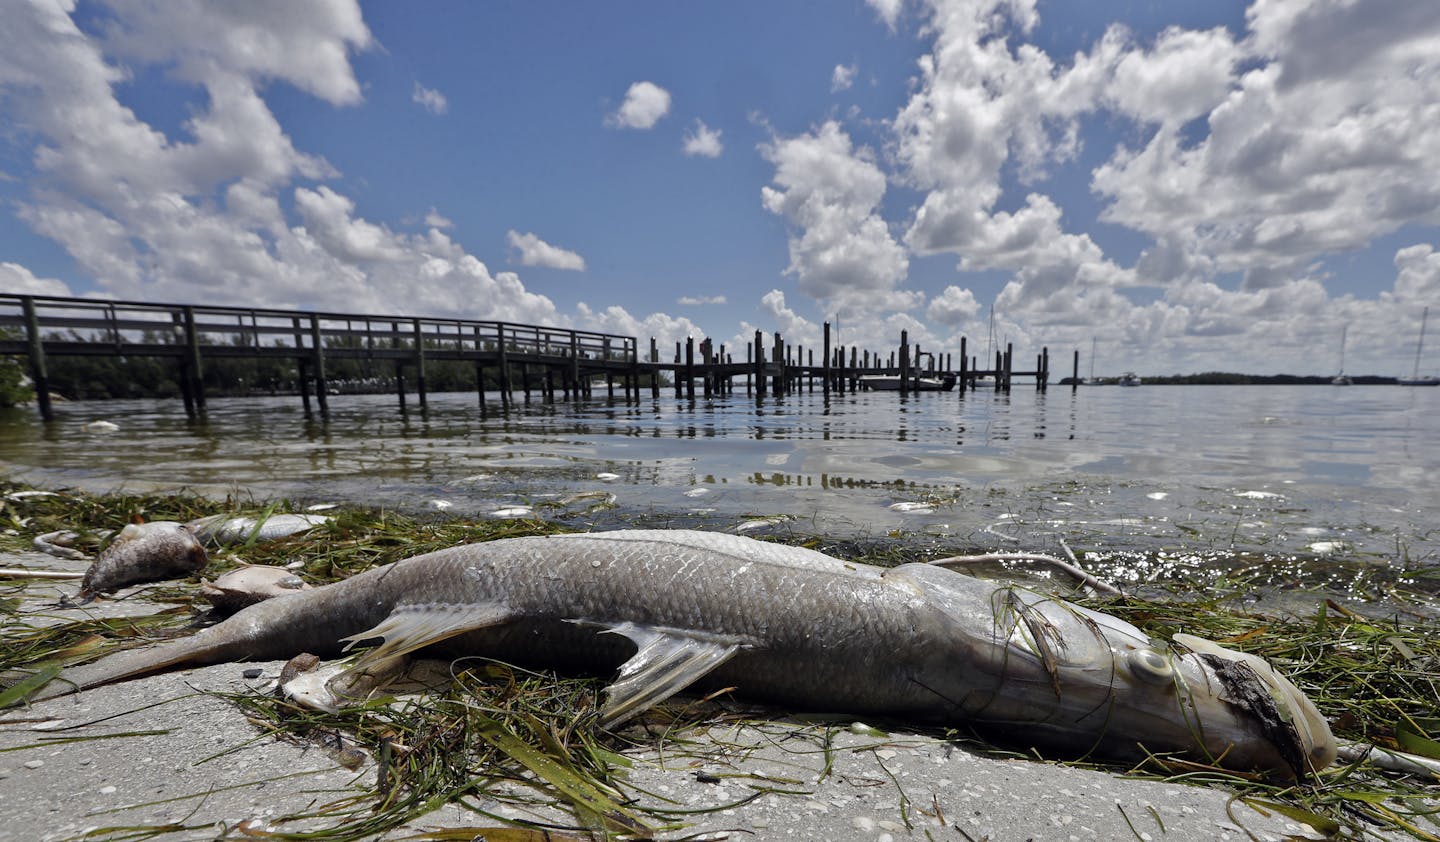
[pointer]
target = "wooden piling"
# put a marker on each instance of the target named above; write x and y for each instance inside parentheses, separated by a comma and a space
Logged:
(904, 362)
(192, 361)
(317, 351)
(39, 375)
(420, 366)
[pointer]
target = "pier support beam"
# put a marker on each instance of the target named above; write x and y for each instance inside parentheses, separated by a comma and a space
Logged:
(35, 346)
(317, 350)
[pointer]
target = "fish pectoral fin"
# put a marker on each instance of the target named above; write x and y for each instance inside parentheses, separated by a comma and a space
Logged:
(668, 661)
(411, 627)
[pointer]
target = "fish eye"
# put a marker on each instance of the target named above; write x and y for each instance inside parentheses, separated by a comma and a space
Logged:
(1151, 667)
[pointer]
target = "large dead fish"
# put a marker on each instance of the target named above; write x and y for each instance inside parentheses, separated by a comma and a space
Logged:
(679, 608)
(144, 552)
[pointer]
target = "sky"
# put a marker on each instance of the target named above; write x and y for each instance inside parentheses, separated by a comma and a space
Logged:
(1181, 186)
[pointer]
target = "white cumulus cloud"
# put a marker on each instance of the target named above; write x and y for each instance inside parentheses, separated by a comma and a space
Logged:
(536, 252)
(841, 250)
(703, 141)
(431, 100)
(842, 77)
(645, 103)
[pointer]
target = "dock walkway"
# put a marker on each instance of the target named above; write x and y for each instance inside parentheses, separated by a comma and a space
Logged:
(510, 355)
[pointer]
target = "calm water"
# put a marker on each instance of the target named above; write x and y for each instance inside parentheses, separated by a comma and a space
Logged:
(1317, 482)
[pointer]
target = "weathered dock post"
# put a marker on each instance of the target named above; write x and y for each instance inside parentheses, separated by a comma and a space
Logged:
(678, 370)
(35, 347)
(302, 366)
(964, 365)
(504, 360)
(420, 365)
(1009, 364)
(707, 359)
(654, 372)
(191, 369)
(1044, 375)
(759, 346)
(574, 367)
(690, 367)
(317, 349)
(904, 362)
(826, 359)
(1075, 371)
(479, 374)
(399, 365)
(778, 357)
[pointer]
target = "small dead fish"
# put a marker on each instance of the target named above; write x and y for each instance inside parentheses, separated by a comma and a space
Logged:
(245, 586)
(144, 552)
(60, 544)
(219, 530)
(21, 496)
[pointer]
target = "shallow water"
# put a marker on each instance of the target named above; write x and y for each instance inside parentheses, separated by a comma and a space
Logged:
(1320, 484)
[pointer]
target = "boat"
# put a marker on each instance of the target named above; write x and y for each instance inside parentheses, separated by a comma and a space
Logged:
(1342, 379)
(891, 383)
(1415, 379)
(1129, 378)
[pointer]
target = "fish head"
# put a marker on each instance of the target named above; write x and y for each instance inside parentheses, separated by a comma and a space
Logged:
(1028, 666)
(1128, 694)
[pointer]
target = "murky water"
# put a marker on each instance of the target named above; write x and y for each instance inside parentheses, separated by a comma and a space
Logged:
(1308, 478)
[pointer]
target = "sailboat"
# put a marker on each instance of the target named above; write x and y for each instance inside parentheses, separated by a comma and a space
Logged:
(1342, 379)
(1415, 379)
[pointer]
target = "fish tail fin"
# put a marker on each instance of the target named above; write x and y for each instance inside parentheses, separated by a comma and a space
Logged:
(201, 648)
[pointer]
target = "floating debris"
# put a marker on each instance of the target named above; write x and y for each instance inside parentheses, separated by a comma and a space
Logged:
(913, 507)
(101, 427)
(1259, 495)
(697, 492)
(606, 476)
(441, 505)
(513, 512)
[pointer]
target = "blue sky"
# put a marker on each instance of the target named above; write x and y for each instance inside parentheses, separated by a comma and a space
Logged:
(1194, 186)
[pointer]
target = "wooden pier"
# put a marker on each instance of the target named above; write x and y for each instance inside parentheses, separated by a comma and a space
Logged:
(514, 357)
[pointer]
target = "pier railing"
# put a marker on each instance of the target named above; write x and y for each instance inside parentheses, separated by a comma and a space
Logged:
(48, 326)
(508, 355)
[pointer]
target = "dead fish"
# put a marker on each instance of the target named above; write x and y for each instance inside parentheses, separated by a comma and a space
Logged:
(144, 552)
(219, 530)
(674, 609)
(60, 544)
(245, 586)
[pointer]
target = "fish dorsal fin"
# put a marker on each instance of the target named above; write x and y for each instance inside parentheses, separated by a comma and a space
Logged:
(668, 661)
(409, 627)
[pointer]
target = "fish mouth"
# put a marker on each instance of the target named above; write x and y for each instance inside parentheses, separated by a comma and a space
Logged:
(1284, 715)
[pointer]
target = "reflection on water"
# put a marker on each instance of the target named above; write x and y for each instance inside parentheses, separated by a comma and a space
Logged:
(1253, 469)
